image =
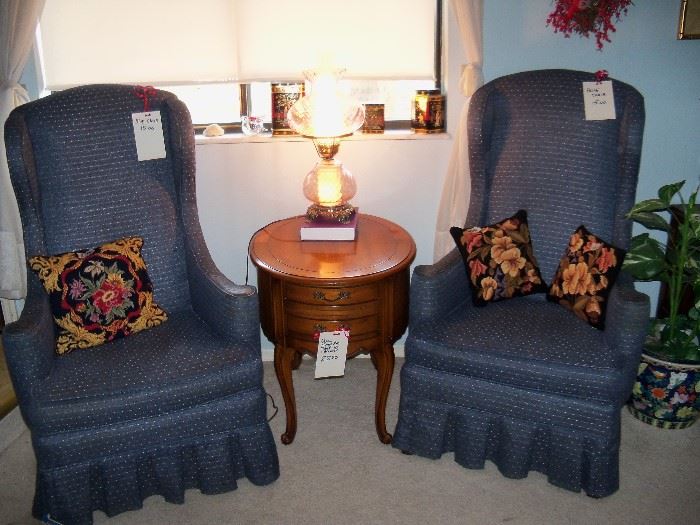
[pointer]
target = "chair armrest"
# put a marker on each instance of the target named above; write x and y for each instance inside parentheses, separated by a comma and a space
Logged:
(627, 322)
(29, 343)
(438, 288)
(230, 309)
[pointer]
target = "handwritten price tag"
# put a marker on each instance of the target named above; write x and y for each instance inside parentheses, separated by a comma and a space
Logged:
(598, 101)
(148, 133)
(332, 353)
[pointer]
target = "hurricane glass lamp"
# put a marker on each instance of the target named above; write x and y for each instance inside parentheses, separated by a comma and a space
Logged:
(325, 115)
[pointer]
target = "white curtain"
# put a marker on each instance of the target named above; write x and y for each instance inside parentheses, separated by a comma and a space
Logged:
(18, 19)
(455, 193)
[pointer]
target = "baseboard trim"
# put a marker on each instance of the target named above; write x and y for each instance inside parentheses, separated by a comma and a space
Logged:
(11, 427)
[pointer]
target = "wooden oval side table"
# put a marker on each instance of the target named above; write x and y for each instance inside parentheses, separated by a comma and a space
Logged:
(311, 286)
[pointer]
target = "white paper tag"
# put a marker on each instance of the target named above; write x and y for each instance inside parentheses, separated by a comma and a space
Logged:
(332, 353)
(148, 133)
(598, 101)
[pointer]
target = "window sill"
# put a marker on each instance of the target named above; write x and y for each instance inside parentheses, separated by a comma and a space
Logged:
(240, 138)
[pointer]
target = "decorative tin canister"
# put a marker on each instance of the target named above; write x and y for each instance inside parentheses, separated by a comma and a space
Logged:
(374, 118)
(284, 95)
(428, 111)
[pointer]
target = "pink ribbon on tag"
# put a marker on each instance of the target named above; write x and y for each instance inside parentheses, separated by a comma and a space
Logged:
(345, 329)
(143, 92)
(600, 75)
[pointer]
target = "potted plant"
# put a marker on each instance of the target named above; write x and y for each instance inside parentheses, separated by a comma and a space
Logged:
(667, 390)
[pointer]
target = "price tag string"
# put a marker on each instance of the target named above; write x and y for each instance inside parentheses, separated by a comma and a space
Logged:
(600, 75)
(144, 92)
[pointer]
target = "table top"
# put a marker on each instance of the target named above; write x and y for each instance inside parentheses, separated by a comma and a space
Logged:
(380, 246)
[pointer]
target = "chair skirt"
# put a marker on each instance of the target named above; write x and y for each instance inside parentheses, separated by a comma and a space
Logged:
(114, 468)
(574, 442)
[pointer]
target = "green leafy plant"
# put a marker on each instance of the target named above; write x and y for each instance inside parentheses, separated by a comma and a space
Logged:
(677, 264)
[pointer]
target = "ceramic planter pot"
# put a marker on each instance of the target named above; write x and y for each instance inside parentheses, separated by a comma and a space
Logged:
(666, 394)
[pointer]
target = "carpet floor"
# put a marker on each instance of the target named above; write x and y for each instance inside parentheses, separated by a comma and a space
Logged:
(337, 472)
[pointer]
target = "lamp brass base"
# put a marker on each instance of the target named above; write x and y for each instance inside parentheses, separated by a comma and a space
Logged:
(342, 213)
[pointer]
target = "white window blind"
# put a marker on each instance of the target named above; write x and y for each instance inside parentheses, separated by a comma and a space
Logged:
(166, 42)
(371, 39)
(137, 41)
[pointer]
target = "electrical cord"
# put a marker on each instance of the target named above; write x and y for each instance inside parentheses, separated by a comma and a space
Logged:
(247, 259)
(247, 269)
(272, 400)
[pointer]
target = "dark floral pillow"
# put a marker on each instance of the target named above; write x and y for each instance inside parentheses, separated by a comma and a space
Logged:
(586, 273)
(100, 294)
(499, 260)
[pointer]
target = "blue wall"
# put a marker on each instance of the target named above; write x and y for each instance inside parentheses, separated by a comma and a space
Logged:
(644, 52)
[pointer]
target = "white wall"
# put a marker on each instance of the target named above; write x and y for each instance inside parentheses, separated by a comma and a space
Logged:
(242, 187)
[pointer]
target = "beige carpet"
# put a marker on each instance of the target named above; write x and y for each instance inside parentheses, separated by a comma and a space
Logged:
(336, 471)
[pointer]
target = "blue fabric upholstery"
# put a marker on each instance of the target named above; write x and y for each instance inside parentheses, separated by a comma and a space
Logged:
(177, 406)
(525, 383)
(516, 337)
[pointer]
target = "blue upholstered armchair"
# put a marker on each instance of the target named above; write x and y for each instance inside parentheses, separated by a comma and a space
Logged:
(177, 406)
(523, 382)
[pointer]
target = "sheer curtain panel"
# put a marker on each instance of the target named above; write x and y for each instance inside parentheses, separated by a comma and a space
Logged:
(18, 19)
(455, 193)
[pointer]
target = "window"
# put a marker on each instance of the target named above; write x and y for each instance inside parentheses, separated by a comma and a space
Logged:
(209, 53)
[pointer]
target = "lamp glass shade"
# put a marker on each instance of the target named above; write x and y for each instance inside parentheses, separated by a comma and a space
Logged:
(325, 111)
(325, 114)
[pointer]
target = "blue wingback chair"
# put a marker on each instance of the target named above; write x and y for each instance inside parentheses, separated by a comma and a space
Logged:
(177, 406)
(523, 382)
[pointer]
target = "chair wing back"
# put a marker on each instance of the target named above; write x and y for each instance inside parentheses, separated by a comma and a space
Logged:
(79, 182)
(531, 148)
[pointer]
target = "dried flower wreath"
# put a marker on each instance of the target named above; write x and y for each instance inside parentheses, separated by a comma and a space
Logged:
(587, 16)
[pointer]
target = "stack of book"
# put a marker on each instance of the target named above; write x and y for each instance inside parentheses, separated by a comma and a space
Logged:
(325, 230)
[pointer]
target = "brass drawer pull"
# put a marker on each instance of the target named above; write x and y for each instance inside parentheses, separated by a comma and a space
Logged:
(322, 296)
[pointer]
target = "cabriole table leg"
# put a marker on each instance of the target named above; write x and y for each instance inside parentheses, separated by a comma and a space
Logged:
(384, 362)
(284, 359)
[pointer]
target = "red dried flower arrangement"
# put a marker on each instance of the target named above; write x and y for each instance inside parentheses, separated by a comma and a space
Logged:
(587, 16)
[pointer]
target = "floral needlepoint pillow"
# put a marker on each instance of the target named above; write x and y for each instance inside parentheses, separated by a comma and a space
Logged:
(100, 294)
(499, 260)
(586, 273)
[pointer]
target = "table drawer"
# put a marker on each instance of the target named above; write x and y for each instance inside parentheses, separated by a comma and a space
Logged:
(327, 295)
(356, 345)
(306, 327)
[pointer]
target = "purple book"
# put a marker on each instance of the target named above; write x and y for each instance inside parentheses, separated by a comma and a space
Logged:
(325, 230)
